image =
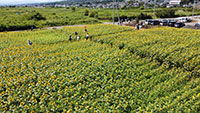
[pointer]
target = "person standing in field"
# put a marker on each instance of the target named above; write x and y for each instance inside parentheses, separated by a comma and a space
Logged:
(29, 42)
(85, 29)
(78, 38)
(70, 38)
(76, 33)
(137, 27)
(87, 36)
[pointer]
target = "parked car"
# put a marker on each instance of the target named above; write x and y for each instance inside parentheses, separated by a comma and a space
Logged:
(171, 23)
(197, 25)
(189, 20)
(185, 19)
(164, 22)
(179, 24)
(154, 22)
(147, 21)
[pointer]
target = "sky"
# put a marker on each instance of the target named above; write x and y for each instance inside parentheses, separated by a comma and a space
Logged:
(9, 2)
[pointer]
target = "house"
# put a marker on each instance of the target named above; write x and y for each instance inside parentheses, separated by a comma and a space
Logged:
(197, 5)
(59, 5)
(18, 13)
(174, 2)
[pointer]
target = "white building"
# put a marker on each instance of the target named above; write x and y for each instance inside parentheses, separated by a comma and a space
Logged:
(174, 2)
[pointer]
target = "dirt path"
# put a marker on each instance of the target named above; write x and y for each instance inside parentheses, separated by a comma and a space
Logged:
(60, 27)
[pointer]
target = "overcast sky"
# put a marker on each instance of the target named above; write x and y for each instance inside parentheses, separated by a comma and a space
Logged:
(7, 2)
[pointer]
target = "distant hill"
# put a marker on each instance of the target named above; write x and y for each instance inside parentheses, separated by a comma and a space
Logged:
(86, 1)
(96, 1)
(91, 0)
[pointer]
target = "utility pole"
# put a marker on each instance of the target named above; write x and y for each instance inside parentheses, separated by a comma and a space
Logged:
(193, 8)
(118, 12)
(113, 11)
(154, 10)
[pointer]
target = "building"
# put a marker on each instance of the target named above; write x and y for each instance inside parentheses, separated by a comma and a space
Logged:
(197, 5)
(174, 2)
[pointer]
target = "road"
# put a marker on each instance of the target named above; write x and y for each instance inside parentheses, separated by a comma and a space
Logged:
(195, 19)
(188, 25)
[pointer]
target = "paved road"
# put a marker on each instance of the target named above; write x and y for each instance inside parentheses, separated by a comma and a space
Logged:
(196, 19)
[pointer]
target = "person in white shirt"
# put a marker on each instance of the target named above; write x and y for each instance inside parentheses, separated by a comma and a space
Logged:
(87, 36)
(78, 38)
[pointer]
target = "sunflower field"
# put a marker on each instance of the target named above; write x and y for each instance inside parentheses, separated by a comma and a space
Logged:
(119, 69)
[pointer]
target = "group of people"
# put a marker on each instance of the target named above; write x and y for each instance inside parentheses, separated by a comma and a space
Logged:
(70, 37)
(78, 37)
(138, 26)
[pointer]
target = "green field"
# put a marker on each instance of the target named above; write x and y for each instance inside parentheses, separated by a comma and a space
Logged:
(21, 18)
(120, 70)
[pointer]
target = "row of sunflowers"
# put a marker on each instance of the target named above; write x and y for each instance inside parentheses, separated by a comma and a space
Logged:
(58, 75)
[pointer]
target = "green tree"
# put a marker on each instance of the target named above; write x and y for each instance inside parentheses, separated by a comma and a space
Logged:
(141, 3)
(36, 16)
(73, 9)
(186, 1)
(94, 14)
(166, 13)
(86, 12)
(143, 17)
(130, 2)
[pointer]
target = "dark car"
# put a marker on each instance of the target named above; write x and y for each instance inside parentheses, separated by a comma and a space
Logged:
(197, 25)
(147, 21)
(171, 23)
(179, 24)
(164, 22)
(154, 22)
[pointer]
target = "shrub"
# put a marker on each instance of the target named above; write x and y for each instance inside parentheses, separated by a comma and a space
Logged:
(94, 14)
(73, 9)
(141, 8)
(86, 13)
(123, 17)
(36, 16)
(2, 28)
(166, 13)
(121, 46)
(143, 17)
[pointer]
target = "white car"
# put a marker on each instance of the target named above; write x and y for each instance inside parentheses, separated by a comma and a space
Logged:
(147, 21)
(185, 19)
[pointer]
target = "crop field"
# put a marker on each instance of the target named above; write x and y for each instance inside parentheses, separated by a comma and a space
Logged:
(119, 70)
